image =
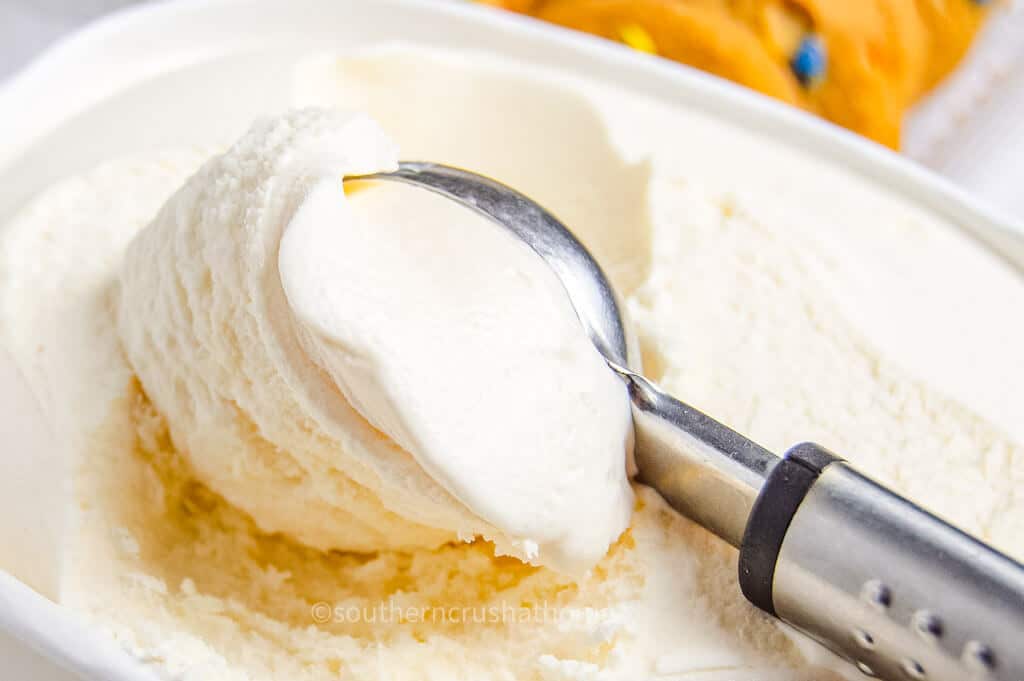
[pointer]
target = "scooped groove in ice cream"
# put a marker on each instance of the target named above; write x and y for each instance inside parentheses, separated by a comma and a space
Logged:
(383, 371)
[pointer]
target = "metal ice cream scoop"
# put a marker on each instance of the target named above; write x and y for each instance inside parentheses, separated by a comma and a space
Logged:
(870, 575)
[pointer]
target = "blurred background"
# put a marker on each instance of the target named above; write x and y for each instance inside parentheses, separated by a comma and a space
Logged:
(942, 81)
(28, 26)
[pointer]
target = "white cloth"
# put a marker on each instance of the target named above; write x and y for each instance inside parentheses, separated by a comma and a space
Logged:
(970, 129)
(28, 26)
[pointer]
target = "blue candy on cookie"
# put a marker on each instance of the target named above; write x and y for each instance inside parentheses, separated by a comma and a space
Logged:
(809, 61)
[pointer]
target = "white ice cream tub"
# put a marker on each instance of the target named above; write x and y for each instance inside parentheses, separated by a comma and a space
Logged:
(197, 72)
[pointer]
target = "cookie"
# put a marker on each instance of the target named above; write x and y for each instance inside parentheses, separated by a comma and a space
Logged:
(859, 64)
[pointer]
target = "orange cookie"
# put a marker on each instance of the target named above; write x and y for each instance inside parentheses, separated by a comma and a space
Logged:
(703, 34)
(859, 64)
(875, 52)
(522, 6)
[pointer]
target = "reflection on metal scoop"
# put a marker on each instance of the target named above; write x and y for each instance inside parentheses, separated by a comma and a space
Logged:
(867, 573)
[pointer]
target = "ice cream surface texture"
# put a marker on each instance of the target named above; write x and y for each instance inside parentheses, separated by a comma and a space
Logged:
(283, 331)
(258, 494)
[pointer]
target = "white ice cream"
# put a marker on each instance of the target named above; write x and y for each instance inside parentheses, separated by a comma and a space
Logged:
(789, 297)
(281, 327)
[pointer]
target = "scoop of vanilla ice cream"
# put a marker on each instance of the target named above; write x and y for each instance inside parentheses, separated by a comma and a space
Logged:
(381, 371)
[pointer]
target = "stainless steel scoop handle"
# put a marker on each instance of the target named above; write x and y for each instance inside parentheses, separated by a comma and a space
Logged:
(895, 590)
(871, 576)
